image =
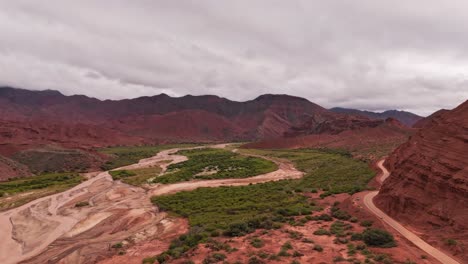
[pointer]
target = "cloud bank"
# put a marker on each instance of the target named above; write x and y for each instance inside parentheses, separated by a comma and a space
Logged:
(367, 54)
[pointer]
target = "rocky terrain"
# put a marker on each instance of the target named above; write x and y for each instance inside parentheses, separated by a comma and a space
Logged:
(363, 137)
(406, 118)
(428, 186)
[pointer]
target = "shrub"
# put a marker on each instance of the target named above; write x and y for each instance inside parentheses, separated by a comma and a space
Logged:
(219, 256)
(366, 223)
(257, 242)
(286, 246)
(324, 217)
(451, 242)
(318, 248)
(339, 214)
(322, 232)
(297, 254)
(149, 260)
(255, 260)
(378, 238)
(117, 245)
(338, 228)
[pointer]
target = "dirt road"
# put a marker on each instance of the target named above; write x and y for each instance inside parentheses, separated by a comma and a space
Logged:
(430, 250)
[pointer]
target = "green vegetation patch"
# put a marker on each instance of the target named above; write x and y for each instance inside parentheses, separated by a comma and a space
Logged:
(135, 177)
(17, 192)
(333, 172)
(123, 156)
(57, 180)
(225, 207)
(378, 238)
(209, 163)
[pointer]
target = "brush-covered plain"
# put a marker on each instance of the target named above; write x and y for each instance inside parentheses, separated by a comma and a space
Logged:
(236, 211)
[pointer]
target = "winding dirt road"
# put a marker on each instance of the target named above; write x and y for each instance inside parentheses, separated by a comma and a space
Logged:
(53, 230)
(430, 250)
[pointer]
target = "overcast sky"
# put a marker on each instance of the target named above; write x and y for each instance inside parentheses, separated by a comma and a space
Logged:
(367, 54)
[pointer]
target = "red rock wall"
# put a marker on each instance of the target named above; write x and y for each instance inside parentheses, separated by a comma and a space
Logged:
(428, 186)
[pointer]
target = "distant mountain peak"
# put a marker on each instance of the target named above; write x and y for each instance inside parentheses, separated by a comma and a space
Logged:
(406, 118)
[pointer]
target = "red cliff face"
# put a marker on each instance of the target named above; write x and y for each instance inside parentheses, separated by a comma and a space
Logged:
(428, 186)
(363, 137)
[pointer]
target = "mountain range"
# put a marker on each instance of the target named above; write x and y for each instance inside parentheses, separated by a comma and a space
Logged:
(48, 121)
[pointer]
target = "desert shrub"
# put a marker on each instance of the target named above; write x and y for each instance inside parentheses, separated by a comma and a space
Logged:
(378, 238)
(356, 236)
(149, 260)
(323, 217)
(339, 214)
(451, 242)
(255, 260)
(257, 242)
(366, 223)
(322, 232)
(318, 248)
(339, 228)
(287, 246)
(117, 245)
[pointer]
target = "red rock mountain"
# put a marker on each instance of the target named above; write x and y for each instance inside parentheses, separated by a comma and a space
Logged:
(406, 118)
(428, 186)
(363, 137)
(42, 117)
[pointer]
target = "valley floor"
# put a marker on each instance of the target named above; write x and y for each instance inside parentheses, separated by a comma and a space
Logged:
(107, 221)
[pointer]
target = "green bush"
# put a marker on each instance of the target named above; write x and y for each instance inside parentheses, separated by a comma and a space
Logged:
(339, 214)
(366, 223)
(451, 242)
(318, 248)
(378, 238)
(322, 232)
(339, 228)
(257, 242)
(255, 260)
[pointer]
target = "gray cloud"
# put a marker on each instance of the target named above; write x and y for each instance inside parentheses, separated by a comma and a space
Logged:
(367, 54)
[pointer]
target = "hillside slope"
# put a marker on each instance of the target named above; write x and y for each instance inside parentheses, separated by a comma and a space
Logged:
(363, 137)
(406, 118)
(428, 186)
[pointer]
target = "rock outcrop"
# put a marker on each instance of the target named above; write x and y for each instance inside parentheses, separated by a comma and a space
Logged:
(428, 185)
(406, 118)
